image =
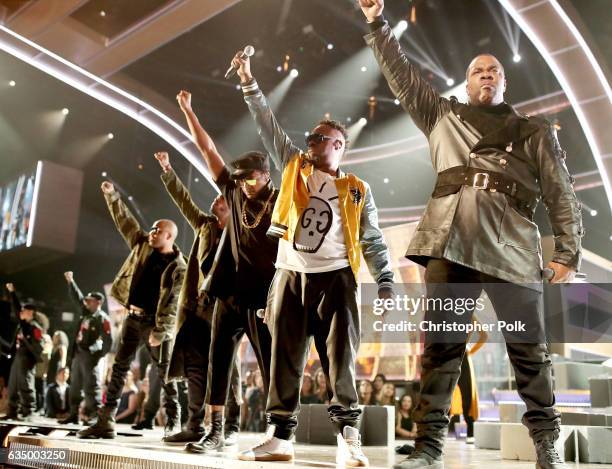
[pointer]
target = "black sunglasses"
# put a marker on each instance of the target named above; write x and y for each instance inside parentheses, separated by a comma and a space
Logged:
(317, 138)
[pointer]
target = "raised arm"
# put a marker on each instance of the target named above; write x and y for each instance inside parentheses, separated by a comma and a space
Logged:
(275, 140)
(561, 204)
(203, 141)
(15, 303)
(125, 222)
(179, 193)
(416, 95)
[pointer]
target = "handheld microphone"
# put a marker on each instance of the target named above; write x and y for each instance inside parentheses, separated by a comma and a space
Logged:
(247, 52)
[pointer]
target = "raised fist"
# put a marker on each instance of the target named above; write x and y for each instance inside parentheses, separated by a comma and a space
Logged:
(163, 159)
(243, 66)
(184, 100)
(372, 8)
(107, 187)
(69, 276)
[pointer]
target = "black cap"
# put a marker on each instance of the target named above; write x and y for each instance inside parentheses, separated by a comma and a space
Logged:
(95, 295)
(249, 162)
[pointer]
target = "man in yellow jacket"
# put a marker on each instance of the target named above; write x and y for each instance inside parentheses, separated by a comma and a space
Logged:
(325, 221)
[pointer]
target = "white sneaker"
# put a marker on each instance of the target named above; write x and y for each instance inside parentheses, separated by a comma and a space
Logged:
(470, 440)
(269, 448)
(349, 451)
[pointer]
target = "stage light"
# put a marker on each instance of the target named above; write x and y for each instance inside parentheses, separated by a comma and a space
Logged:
(306, 134)
(196, 179)
(386, 180)
(130, 198)
(110, 136)
(294, 73)
(104, 174)
(364, 68)
(65, 111)
(238, 87)
(450, 82)
(516, 58)
(396, 102)
(279, 69)
(140, 166)
(12, 83)
(102, 13)
(593, 212)
(362, 121)
(330, 46)
(348, 119)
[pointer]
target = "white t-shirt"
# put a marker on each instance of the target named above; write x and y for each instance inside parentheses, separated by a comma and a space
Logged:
(318, 244)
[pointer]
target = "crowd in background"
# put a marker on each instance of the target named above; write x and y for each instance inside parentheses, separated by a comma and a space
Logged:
(53, 385)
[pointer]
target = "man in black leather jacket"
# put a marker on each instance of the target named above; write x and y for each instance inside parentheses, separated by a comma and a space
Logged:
(493, 167)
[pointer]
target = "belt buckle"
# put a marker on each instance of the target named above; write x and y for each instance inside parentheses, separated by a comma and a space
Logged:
(485, 181)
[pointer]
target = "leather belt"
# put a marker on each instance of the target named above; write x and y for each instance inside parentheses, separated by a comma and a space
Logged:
(449, 181)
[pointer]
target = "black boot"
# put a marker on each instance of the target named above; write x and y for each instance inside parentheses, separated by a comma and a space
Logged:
(232, 425)
(144, 424)
(186, 436)
(172, 426)
(213, 441)
(71, 418)
(420, 460)
(547, 456)
(104, 426)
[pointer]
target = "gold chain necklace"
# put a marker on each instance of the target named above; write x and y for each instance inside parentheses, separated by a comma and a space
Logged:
(259, 216)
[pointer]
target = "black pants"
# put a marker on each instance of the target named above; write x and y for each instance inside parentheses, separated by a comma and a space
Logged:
(21, 389)
(195, 347)
(441, 360)
(230, 323)
(323, 305)
(136, 332)
(84, 379)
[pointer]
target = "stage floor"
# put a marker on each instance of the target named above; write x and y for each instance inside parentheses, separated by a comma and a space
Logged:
(130, 446)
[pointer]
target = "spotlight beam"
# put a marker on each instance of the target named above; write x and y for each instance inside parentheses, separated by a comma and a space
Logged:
(105, 92)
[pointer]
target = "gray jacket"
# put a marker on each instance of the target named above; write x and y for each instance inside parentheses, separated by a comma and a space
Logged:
(281, 150)
(476, 228)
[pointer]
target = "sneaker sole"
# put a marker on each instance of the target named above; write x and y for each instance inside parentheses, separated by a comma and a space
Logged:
(353, 464)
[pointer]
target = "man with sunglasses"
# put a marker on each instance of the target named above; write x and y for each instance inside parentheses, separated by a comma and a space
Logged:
(324, 220)
(194, 319)
(243, 269)
(148, 286)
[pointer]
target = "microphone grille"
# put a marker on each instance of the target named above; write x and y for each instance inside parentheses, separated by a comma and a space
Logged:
(249, 51)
